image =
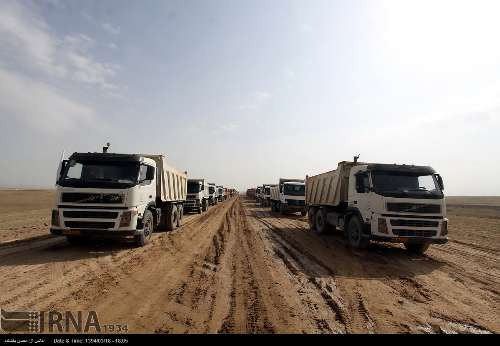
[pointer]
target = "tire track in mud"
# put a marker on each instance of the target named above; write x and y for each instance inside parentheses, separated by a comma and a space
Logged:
(80, 280)
(314, 277)
(385, 289)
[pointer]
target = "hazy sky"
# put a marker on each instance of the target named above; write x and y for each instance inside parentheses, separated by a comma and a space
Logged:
(243, 92)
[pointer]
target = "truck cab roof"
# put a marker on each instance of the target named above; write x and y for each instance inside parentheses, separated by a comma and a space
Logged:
(382, 167)
(112, 157)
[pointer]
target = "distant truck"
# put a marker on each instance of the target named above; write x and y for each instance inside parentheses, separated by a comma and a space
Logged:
(197, 195)
(258, 194)
(232, 192)
(117, 195)
(212, 194)
(265, 199)
(381, 202)
(250, 193)
(289, 196)
(220, 193)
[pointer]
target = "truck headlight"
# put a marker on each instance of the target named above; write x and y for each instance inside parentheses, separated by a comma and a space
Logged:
(382, 226)
(126, 217)
(444, 228)
(55, 218)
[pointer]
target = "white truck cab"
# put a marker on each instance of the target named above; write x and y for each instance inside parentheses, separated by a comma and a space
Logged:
(110, 195)
(220, 193)
(265, 199)
(212, 194)
(289, 196)
(197, 195)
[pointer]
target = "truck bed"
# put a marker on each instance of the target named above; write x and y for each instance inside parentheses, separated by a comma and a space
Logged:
(329, 188)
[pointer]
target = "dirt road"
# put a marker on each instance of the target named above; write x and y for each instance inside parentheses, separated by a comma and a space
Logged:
(240, 268)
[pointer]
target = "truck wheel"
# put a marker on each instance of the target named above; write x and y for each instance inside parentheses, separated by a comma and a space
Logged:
(204, 206)
(170, 220)
(320, 221)
(417, 249)
(303, 213)
(180, 214)
(282, 209)
(199, 210)
(147, 230)
(355, 234)
(311, 218)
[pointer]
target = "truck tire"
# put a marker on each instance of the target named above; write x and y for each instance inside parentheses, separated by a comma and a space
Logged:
(204, 205)
(311, 218)
(147, 229)
(282, 209)
(199, 210)
(303, 213)
(355, 234)
(170, 219)
(417, 249)
(320, 221)
(180, 215)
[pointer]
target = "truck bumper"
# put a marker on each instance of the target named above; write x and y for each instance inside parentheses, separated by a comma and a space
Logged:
(105, 233)
(410, 240)
(294, 208)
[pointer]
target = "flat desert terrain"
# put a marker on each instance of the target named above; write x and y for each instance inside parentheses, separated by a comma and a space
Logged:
(241, 268)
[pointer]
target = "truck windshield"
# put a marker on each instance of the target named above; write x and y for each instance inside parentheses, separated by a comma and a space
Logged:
(397, 184)
(294, 190)
(268, 190)
(193, 187)
(211, 190)
(100, 174)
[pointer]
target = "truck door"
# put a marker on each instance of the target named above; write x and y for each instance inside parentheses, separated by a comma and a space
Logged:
(360, 192)
(147, 188)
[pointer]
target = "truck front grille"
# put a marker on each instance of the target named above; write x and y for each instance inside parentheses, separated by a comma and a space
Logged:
(92, 198)
(89, 224)
(414, 223)
(414, 208)
(414, 233)
(81, 214)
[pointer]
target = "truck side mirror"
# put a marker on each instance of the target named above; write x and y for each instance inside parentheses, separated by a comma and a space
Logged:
(440, 181)
(64, 163)
(150, 173)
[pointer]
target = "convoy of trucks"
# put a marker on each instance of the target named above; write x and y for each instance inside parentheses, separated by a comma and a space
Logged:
(133, 195)
(124, 195)
(367, 201)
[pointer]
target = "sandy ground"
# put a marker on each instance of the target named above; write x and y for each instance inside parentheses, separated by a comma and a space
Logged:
(241, 268)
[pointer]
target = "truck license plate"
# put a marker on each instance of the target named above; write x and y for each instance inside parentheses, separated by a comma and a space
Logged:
(72, 232)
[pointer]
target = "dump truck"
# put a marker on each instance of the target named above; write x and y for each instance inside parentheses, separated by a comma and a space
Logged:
(117, 195)
(220, 193)
(396, 203)
(250, 193)
(265, 199)
(288, 196)
(197, 195)
(258, 194)
(212, 194)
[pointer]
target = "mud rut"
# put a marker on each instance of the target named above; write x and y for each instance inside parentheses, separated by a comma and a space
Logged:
(240, 268)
